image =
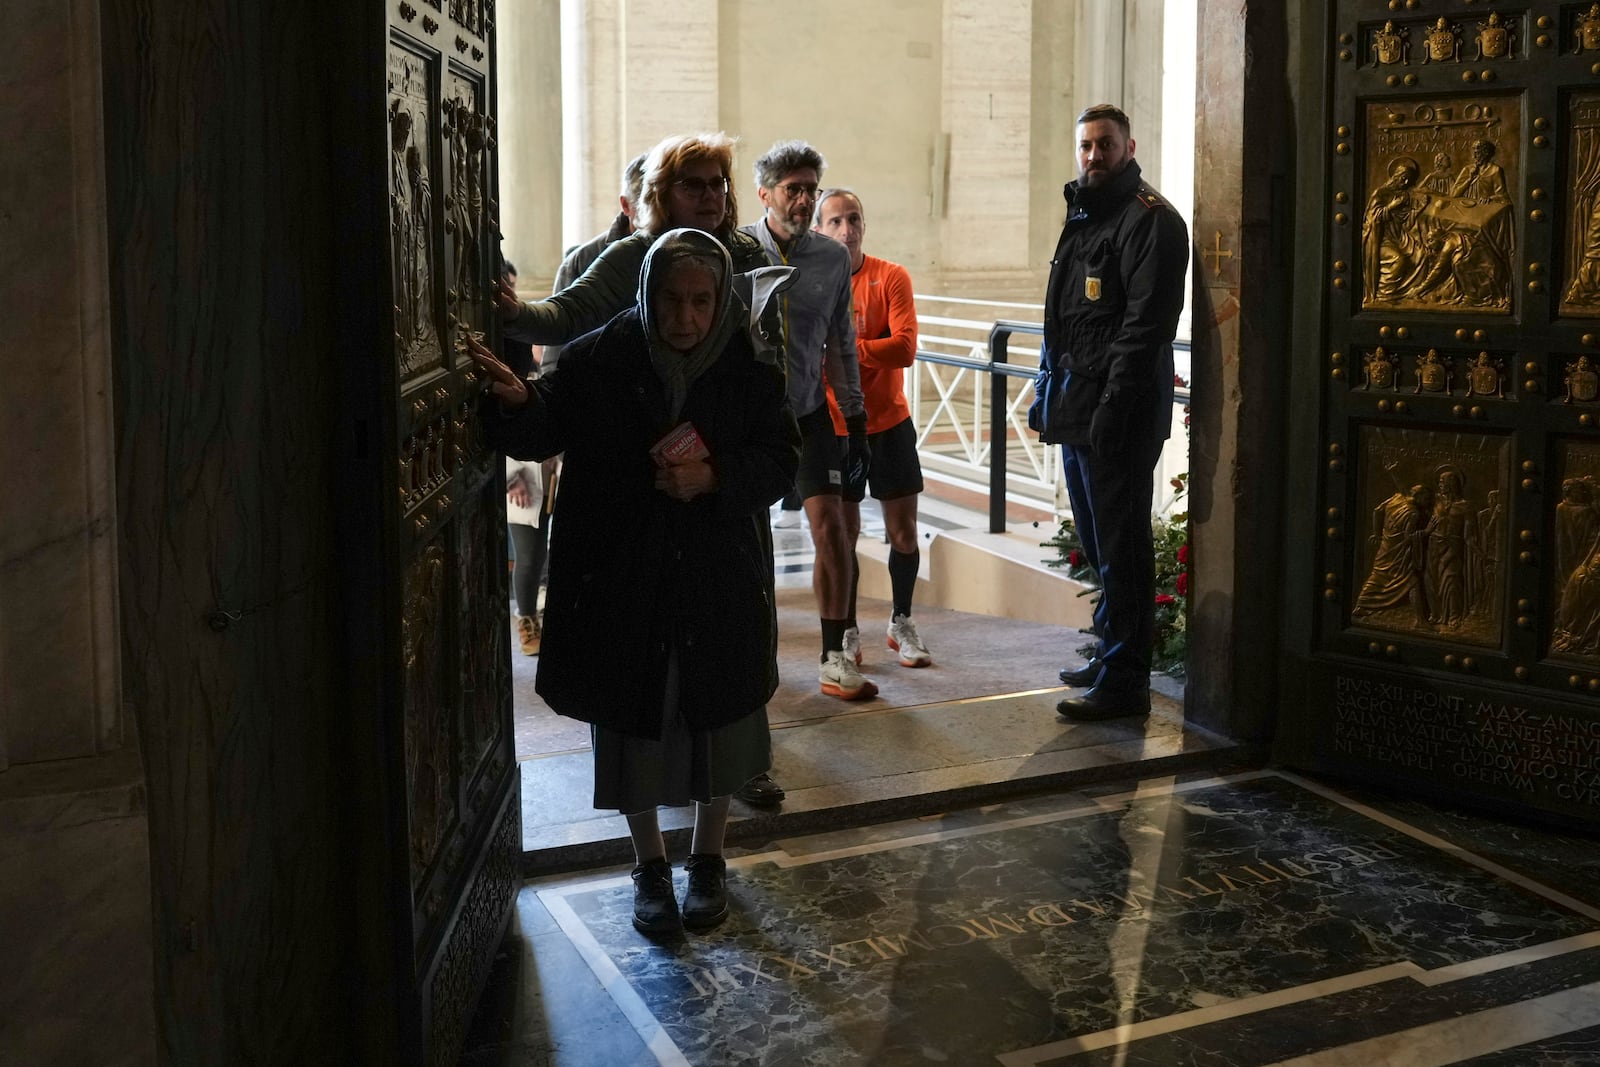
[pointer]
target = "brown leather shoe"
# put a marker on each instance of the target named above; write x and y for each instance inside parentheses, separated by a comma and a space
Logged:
(1102, 703)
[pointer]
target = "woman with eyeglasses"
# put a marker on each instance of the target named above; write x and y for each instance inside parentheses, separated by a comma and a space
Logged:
(687, 184)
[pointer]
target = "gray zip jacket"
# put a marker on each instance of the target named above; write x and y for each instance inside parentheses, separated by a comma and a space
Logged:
(819, 322)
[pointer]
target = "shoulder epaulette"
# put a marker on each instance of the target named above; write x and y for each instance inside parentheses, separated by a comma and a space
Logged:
(1150, 198)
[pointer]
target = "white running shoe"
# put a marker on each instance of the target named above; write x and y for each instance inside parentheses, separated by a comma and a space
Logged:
(787, 520)
(903, 638)
(840, 678)
(852, 644)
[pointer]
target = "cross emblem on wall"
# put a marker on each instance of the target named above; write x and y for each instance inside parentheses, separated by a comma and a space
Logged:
(1216, 254)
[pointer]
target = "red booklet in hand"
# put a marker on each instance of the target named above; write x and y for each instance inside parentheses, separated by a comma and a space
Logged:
(682, 444)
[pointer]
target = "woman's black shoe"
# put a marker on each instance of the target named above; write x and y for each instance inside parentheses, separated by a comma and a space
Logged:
(655, 909)
(705, 905)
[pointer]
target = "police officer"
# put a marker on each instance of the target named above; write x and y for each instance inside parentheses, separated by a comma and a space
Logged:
(1104, 393)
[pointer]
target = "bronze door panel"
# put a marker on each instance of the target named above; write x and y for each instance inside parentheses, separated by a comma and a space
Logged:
(1455, 582)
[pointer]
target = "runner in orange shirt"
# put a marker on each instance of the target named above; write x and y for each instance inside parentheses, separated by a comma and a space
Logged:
(886, 344)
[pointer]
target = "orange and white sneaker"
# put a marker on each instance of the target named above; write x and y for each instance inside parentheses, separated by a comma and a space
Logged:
(529, 633)
(852, 644)
(840, 678)
(904, 639)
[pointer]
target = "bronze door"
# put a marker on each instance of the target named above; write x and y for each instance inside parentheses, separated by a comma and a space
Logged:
(444, 521)
(1452, 563)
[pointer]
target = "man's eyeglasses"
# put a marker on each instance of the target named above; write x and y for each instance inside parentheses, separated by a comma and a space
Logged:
(701, 186)
(796, 190)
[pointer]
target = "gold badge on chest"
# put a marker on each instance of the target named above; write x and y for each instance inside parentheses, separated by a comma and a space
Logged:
(1091, 288)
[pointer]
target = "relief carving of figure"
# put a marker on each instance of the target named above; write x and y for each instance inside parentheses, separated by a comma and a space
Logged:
(1392, 246)
(467, 198)
(1396, 576)
(1441, 43)
(1438, 180)
(1390, 45)
(420, 251)
(1452, 552)
(1481, 179)
(401, 220)
(1585, 285)
(1577, 624)
(1577, 525)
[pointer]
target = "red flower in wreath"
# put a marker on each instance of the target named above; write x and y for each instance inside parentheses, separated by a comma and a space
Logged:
(1182, 584)
(1183, 553)
(1166, 598)
(1075, 558)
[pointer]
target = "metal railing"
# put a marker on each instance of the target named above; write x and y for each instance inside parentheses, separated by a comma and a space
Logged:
(969, 401)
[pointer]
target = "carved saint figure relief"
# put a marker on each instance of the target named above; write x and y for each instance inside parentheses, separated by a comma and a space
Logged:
(1575, 578)
(1432, 556)
(1582, 231)
(428, 763)
(469, 14)
(412, 249)
(1445, 239)
(466, 138)
(1396, 540)
(1390, 45)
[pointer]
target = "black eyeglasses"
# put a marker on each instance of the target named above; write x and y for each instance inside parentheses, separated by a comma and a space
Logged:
(796, 190)
(701, 186)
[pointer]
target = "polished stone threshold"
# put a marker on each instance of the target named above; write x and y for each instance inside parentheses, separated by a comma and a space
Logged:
(875, 764)
(1226, 921)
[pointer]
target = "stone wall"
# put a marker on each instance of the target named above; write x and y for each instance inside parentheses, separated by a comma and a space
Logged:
(74, 862)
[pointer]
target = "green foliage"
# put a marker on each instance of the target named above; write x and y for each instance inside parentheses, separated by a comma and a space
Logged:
(1171, 535)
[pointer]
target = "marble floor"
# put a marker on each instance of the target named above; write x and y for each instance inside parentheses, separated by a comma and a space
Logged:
(1260, 918)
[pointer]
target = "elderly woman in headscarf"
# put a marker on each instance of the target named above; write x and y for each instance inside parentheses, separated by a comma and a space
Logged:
(658, 623)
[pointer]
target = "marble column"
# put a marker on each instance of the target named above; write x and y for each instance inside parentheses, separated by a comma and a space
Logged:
(1242, 143)
(529, 76)
(988, 95)
(74, 865)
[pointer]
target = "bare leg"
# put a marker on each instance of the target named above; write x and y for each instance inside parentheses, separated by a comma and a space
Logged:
(710, 826)
(645, 830)
(830, 576)
(851, 509)
(900, 522)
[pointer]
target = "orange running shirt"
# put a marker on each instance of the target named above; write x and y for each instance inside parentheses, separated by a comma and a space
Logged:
(886, 342)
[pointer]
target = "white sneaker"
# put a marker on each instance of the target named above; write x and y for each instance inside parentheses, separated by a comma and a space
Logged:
(852, 644)
(840, 678)
(903, 638)
(787, 520)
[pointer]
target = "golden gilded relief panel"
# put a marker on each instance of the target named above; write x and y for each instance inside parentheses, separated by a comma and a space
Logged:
(1431, 559)
(429, 793)
(1575, 562)
(412, 250)
(1438, 232)
(1581, 295)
